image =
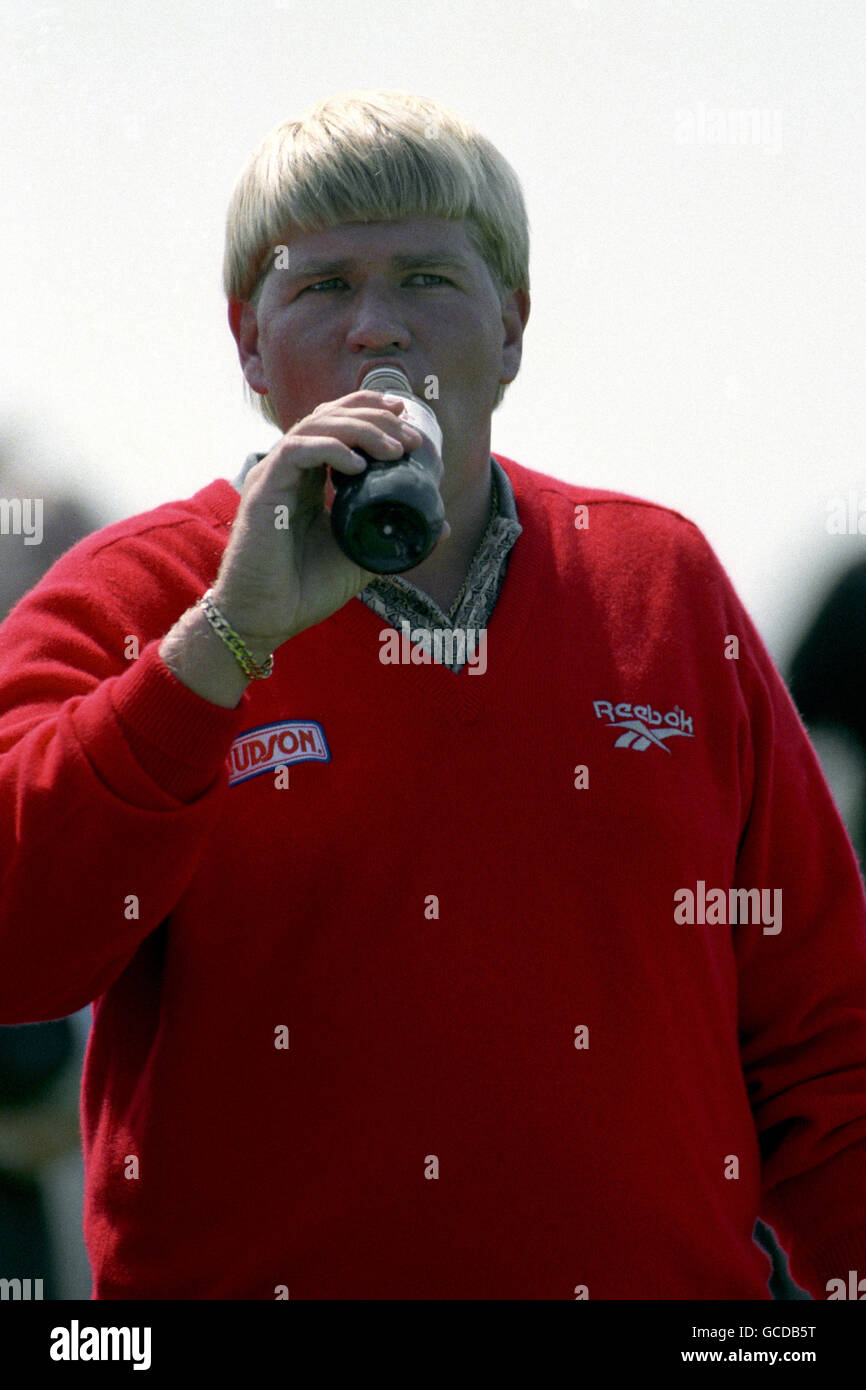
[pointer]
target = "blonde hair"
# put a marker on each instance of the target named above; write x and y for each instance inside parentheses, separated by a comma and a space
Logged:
(374, 156)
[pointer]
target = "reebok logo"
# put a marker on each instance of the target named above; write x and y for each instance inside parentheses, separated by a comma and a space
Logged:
(276, 745)
(644, 725)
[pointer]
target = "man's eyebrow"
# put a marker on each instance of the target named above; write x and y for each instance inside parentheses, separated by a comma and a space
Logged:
(406, 261)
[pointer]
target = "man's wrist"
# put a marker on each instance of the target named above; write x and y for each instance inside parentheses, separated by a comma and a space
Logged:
(251, 666)
(261, 647)
(198, 658)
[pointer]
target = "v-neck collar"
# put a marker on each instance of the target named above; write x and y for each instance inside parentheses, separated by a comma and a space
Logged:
(465, 694)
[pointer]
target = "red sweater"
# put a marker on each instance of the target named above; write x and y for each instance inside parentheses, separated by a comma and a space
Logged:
(431, 1021)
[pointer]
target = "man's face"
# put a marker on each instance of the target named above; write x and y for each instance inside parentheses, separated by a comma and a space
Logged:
(345, 300)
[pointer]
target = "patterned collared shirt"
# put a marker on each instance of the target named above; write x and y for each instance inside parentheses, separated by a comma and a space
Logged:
(396, 599)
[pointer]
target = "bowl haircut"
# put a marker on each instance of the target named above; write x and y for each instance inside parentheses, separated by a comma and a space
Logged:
(373, 156)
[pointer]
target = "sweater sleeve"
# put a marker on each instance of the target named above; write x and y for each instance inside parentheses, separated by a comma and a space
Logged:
(111, 772)
(802, 989)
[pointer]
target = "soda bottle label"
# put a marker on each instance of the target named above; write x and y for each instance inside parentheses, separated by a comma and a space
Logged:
(391, 381)
(424, 421)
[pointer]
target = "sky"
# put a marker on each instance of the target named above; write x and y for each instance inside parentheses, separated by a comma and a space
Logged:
(693, 177)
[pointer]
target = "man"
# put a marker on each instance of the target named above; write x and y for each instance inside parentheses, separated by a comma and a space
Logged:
(408, 981)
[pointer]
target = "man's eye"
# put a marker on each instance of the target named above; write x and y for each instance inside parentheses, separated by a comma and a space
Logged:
(336, 280)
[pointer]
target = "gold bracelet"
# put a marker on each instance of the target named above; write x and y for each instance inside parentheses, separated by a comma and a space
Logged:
(236, 644)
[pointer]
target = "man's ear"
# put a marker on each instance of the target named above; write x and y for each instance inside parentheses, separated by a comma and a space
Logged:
(515, 315)
(245, 331)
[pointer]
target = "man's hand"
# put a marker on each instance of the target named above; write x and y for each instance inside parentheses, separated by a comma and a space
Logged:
(273, 583)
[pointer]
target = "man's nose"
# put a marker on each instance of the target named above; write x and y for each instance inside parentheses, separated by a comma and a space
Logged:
(376, 319)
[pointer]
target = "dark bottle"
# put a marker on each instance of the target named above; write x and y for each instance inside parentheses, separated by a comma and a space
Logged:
(389, 518)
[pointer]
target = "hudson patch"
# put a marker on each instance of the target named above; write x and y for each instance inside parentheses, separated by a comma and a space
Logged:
(276, 745)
